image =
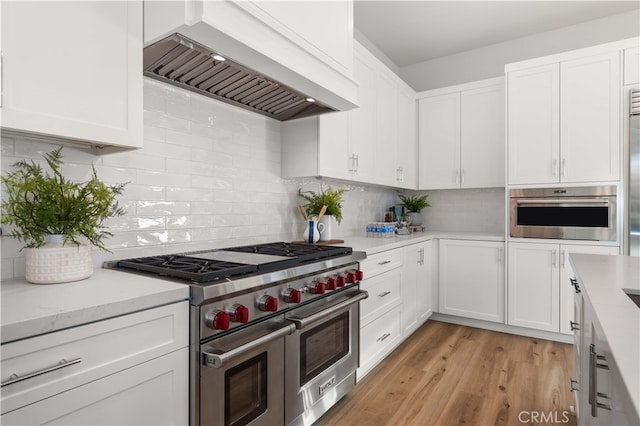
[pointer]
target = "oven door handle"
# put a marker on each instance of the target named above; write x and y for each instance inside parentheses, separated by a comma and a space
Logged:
(218, 360)
(576, 202)
(326, 313)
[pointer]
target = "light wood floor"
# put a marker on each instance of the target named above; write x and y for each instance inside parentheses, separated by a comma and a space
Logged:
(447, 374)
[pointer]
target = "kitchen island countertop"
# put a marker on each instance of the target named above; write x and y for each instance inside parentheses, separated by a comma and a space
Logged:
(602, 279)
(32, 309)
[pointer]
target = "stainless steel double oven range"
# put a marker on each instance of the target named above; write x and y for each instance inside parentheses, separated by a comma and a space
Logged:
(274, 329)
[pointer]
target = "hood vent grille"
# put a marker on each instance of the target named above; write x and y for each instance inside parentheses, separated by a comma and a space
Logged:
(187, 64)
(635, 102)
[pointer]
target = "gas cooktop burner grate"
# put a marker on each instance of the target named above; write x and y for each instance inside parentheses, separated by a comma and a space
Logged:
(187, 267)
(202, 266)
(302, 252)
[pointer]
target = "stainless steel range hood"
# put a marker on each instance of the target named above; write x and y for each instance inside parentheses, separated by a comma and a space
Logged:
(187, 64)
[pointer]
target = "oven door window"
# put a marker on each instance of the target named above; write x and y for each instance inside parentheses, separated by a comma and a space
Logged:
(246, 391)
(556, 215)
(323, 346)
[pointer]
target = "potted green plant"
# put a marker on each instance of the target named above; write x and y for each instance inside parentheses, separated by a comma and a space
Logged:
(329, 197)
(414, 205)
(54, 217)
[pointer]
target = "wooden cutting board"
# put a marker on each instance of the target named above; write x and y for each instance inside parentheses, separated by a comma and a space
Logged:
(321, 243)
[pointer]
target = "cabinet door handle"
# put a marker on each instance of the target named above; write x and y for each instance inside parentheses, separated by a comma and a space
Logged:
(564, 167)
(574, 326)
(462, 174)
(457, 176)
(385, 293)
(357, 163)
(383, 337)
(573, 385)
(562, 255)
(554, 257)
(384, 262)
(575, 284)
(555, 168)
(14, 378)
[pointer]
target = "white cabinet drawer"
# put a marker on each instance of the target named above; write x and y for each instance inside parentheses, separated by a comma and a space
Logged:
(73, 357)
(152, 393)
(384, 293)
(381, 262)
(378, 339)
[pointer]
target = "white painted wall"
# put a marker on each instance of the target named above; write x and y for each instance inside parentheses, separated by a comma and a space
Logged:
(488, 62)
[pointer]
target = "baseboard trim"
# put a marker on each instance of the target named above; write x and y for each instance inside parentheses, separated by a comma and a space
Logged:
(503, 328)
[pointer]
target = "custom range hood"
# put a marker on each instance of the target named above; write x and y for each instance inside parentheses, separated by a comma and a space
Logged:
(187, 64)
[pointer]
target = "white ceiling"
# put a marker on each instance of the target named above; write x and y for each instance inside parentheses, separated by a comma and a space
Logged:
(409, 32)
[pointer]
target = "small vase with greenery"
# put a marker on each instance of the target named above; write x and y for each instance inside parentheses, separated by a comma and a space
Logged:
(39, 204)
(330, 197)
(414, 205)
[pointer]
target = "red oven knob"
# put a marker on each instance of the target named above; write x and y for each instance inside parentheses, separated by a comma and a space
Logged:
(317, 288)
(359, 275)
(332, 284)
(291, 295)
(340, 280)
(268, 303)
(351, 277)
(217, 320)
(238, 313)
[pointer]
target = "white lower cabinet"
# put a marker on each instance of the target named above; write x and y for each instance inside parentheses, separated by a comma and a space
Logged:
(131, 369)
(539, 291)
(471, 281)
(603, 398)
(417, 285)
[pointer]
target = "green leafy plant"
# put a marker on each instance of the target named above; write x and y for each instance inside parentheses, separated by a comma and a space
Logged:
(414, 203)
(39, 203)
(332, 198)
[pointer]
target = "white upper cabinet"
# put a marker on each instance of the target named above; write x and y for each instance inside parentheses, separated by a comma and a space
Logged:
(374, 143)
(461, 136)
(439, 141)
(307, 45)
(407, 146)
(590, 118)
(482, 138)
(533, 122)
(73, 70)
(564, 120)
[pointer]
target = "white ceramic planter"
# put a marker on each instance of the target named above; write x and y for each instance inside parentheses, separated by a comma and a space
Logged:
(415, 219)
(55, 263)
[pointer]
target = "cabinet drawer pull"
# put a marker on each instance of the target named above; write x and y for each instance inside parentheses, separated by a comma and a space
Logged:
(14, 378)
(574, 326)
(386, 293)
(383, 337)
(384, 262)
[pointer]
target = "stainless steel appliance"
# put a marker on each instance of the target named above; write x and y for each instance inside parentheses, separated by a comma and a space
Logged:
(248, 304)
(570, 213)
(633, 213)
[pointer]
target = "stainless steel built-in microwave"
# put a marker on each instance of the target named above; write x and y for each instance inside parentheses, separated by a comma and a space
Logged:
(573, 213)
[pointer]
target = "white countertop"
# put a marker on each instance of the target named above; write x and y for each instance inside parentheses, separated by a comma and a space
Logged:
(33, 309)
(376, 245)
(602, 279)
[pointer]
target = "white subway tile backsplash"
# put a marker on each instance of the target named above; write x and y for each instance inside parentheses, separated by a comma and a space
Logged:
(208, 176)
(146, 177)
